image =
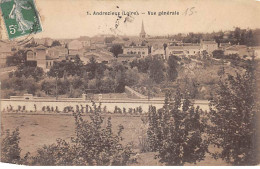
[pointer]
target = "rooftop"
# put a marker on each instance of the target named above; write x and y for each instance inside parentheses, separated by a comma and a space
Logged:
(236, 47)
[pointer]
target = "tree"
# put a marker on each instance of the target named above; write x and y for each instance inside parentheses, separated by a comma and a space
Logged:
(232, 114)
(218, 54)
(176, 131)
(27, 71)
(55, 43)
(172, 68)
(109, 39)
(17, 58)
(156, 70)
(116, 50)
(66, 68)
(132, 77)
(10, 149)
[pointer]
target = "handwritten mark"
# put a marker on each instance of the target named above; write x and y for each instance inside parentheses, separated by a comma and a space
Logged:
(190, 11)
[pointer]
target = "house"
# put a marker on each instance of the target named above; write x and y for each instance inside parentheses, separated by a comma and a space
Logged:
(38, 56)
(223, 46)
(209, 46)
(174, 50)
(44, 41)
(5, 51)
(240, 50)
(58, 51)
(85, 41)
(158, 51)
(75, 47)
(100, 56)
(140, 50)
(192, 50)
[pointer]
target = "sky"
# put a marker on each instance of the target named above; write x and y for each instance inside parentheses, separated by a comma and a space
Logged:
(69, 18)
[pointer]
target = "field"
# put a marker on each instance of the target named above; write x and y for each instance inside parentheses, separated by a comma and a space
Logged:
(37, 130)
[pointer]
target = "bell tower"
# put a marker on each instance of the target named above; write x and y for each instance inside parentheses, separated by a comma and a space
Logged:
(142, 33)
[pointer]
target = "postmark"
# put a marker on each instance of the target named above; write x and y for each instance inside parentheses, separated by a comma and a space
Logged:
(20, 17)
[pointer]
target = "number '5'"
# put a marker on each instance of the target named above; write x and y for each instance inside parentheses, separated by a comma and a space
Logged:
(12, 29)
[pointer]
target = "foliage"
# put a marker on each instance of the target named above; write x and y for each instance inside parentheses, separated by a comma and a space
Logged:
(116, 50)
(17, 58)
(232, 115)
(95, 69)
(55, 43)
(18, 86)
(172, 68)
(93, 145)
(218, 54)
(27, 71)
(109, 39)
(66, 68)
(156, 70)
(10, 149)
(177, 131)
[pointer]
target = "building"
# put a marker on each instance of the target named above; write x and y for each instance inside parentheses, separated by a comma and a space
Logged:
(5, 51)
(142, 34)
(39, 56)
(174, 50)
(256, 52)
(142, 51)
(158, 51)
(209, 46)
(192, 50)
(44, 41)
(58, 51)
(223, 46)
(240, 50)
(75, 47)
(101, 56)
(85, 41)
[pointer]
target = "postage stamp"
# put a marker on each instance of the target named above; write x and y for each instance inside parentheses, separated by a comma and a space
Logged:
(21, 18)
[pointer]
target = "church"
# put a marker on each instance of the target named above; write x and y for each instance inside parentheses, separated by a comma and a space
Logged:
(142, 34)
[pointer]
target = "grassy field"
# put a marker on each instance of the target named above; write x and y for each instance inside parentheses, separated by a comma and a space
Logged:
(37, 130)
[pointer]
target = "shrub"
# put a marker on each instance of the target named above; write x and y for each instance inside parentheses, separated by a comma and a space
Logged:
(10, 150)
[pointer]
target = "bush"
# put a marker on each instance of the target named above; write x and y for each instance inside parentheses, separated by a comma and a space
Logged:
(10, 150)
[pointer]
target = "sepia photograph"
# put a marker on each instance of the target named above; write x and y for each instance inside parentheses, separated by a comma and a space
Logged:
(130, 83)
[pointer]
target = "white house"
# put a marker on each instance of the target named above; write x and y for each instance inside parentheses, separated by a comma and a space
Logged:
(140, 50)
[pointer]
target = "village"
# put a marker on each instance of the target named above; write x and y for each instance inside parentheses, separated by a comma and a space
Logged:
(45, 53)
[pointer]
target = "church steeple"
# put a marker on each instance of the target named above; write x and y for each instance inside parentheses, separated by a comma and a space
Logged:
(142, 33)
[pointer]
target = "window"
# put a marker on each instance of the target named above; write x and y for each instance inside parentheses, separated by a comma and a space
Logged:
(143, 52)
(30, 55)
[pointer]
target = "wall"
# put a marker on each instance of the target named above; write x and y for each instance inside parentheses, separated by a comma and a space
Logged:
(109, 103)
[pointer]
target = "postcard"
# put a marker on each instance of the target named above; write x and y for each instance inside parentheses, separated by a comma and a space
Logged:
(130, 83)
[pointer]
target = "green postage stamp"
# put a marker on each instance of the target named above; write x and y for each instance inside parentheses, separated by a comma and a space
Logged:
(21, 17)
